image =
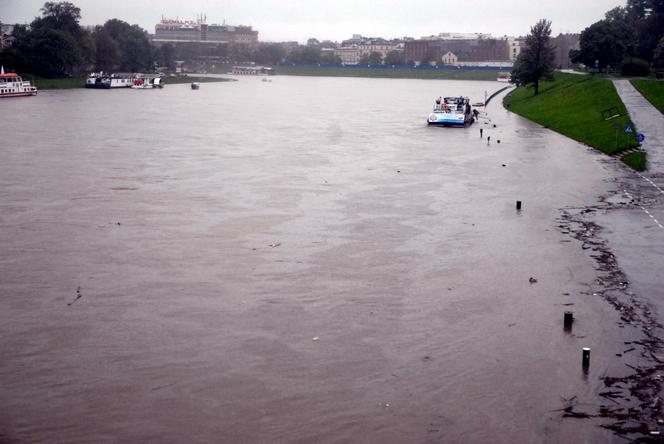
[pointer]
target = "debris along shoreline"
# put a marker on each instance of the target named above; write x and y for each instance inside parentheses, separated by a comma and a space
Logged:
(633, 404)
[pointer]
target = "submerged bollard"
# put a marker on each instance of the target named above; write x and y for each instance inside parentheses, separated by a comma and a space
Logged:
(518, 204)
(586, 358)
(567, 322)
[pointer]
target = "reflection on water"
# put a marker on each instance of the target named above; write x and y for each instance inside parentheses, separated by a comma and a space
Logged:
(295, 261)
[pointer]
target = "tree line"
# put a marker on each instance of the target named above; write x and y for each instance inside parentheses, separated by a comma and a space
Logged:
(55, 45)
(629, 38)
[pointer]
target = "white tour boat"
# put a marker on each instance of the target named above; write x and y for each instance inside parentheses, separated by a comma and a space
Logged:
(451, 111)
(146, 81)
(12, 85)
(100, 80)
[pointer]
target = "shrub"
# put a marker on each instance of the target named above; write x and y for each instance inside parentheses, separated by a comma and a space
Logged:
(635, 67)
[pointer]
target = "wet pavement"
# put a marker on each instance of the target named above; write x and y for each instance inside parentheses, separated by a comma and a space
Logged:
(306, 261)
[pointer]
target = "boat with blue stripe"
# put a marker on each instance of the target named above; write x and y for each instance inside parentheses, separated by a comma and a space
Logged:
(451, 111)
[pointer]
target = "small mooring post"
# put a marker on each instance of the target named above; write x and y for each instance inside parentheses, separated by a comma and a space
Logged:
(518, 205)
(586, 358)
(568, 319)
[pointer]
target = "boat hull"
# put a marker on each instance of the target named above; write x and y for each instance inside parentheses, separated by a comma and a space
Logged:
(98, 86)
(449, 119)
(19, 94)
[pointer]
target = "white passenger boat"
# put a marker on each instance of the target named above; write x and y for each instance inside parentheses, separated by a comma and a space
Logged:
(12, 85)
(451, 111)
(146, 81)
(100, 80)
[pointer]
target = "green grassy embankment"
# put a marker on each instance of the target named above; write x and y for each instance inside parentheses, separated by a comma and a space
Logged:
(652, 90)
(79, 82)
(636, 160)
(444, 74)
(41, 84)
(573, 105)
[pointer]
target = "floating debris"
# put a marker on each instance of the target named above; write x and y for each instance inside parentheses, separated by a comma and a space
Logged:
(78, 296)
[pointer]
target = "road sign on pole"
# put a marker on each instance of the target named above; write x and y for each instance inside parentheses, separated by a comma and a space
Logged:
(629, 129)
(640, 138)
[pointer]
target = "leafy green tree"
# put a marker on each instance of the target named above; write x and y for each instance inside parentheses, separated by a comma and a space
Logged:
(394, 58)
(269, 54)
(331, 58)
(305, 54)
(135, 48)
(108, 55)
(165, 56)
(60, 16)
(658, 56)
(375, 58)
(429, 57)
(536, 60)
(646, 20)
(53, 53)
(606, 41)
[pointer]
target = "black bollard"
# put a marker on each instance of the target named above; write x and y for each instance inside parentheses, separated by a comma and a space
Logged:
(569, 318)
(586, 357)
(518, 205)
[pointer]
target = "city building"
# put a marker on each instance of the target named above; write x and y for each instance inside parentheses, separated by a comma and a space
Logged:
(349, 55)
(515, 44)
(477, 49)
(450, 59)
(6, 37)
(562, 45)
(175, 31)
(353, 49)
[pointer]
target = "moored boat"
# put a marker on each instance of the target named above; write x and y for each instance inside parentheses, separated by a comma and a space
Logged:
(12, 85)
(451, 111)
(147, 81)
(100, 80)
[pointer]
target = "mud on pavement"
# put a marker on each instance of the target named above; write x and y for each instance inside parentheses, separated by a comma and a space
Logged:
(633, 407)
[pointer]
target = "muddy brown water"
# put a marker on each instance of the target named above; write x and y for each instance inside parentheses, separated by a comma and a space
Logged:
(301, 260)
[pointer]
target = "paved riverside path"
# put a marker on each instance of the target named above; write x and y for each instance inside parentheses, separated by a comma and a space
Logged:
(648, 120)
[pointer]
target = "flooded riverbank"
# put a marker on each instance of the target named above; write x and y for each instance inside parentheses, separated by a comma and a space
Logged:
(294, 261)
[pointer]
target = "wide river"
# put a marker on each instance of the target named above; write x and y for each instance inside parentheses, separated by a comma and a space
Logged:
(294, 261)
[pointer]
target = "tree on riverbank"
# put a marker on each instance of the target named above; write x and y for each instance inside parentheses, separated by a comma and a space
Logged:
(537, 59)
(606, 42)
(625, 35)
(56, 46)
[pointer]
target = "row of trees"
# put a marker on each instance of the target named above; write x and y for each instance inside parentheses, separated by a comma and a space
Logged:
(628, 36)
(55, 45)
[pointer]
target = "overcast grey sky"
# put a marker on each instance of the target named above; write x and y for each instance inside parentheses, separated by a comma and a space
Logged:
(278, 20)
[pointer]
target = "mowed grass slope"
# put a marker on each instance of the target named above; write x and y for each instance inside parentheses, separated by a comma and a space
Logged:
(450, 74)
(652, 90)
(572, 105)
